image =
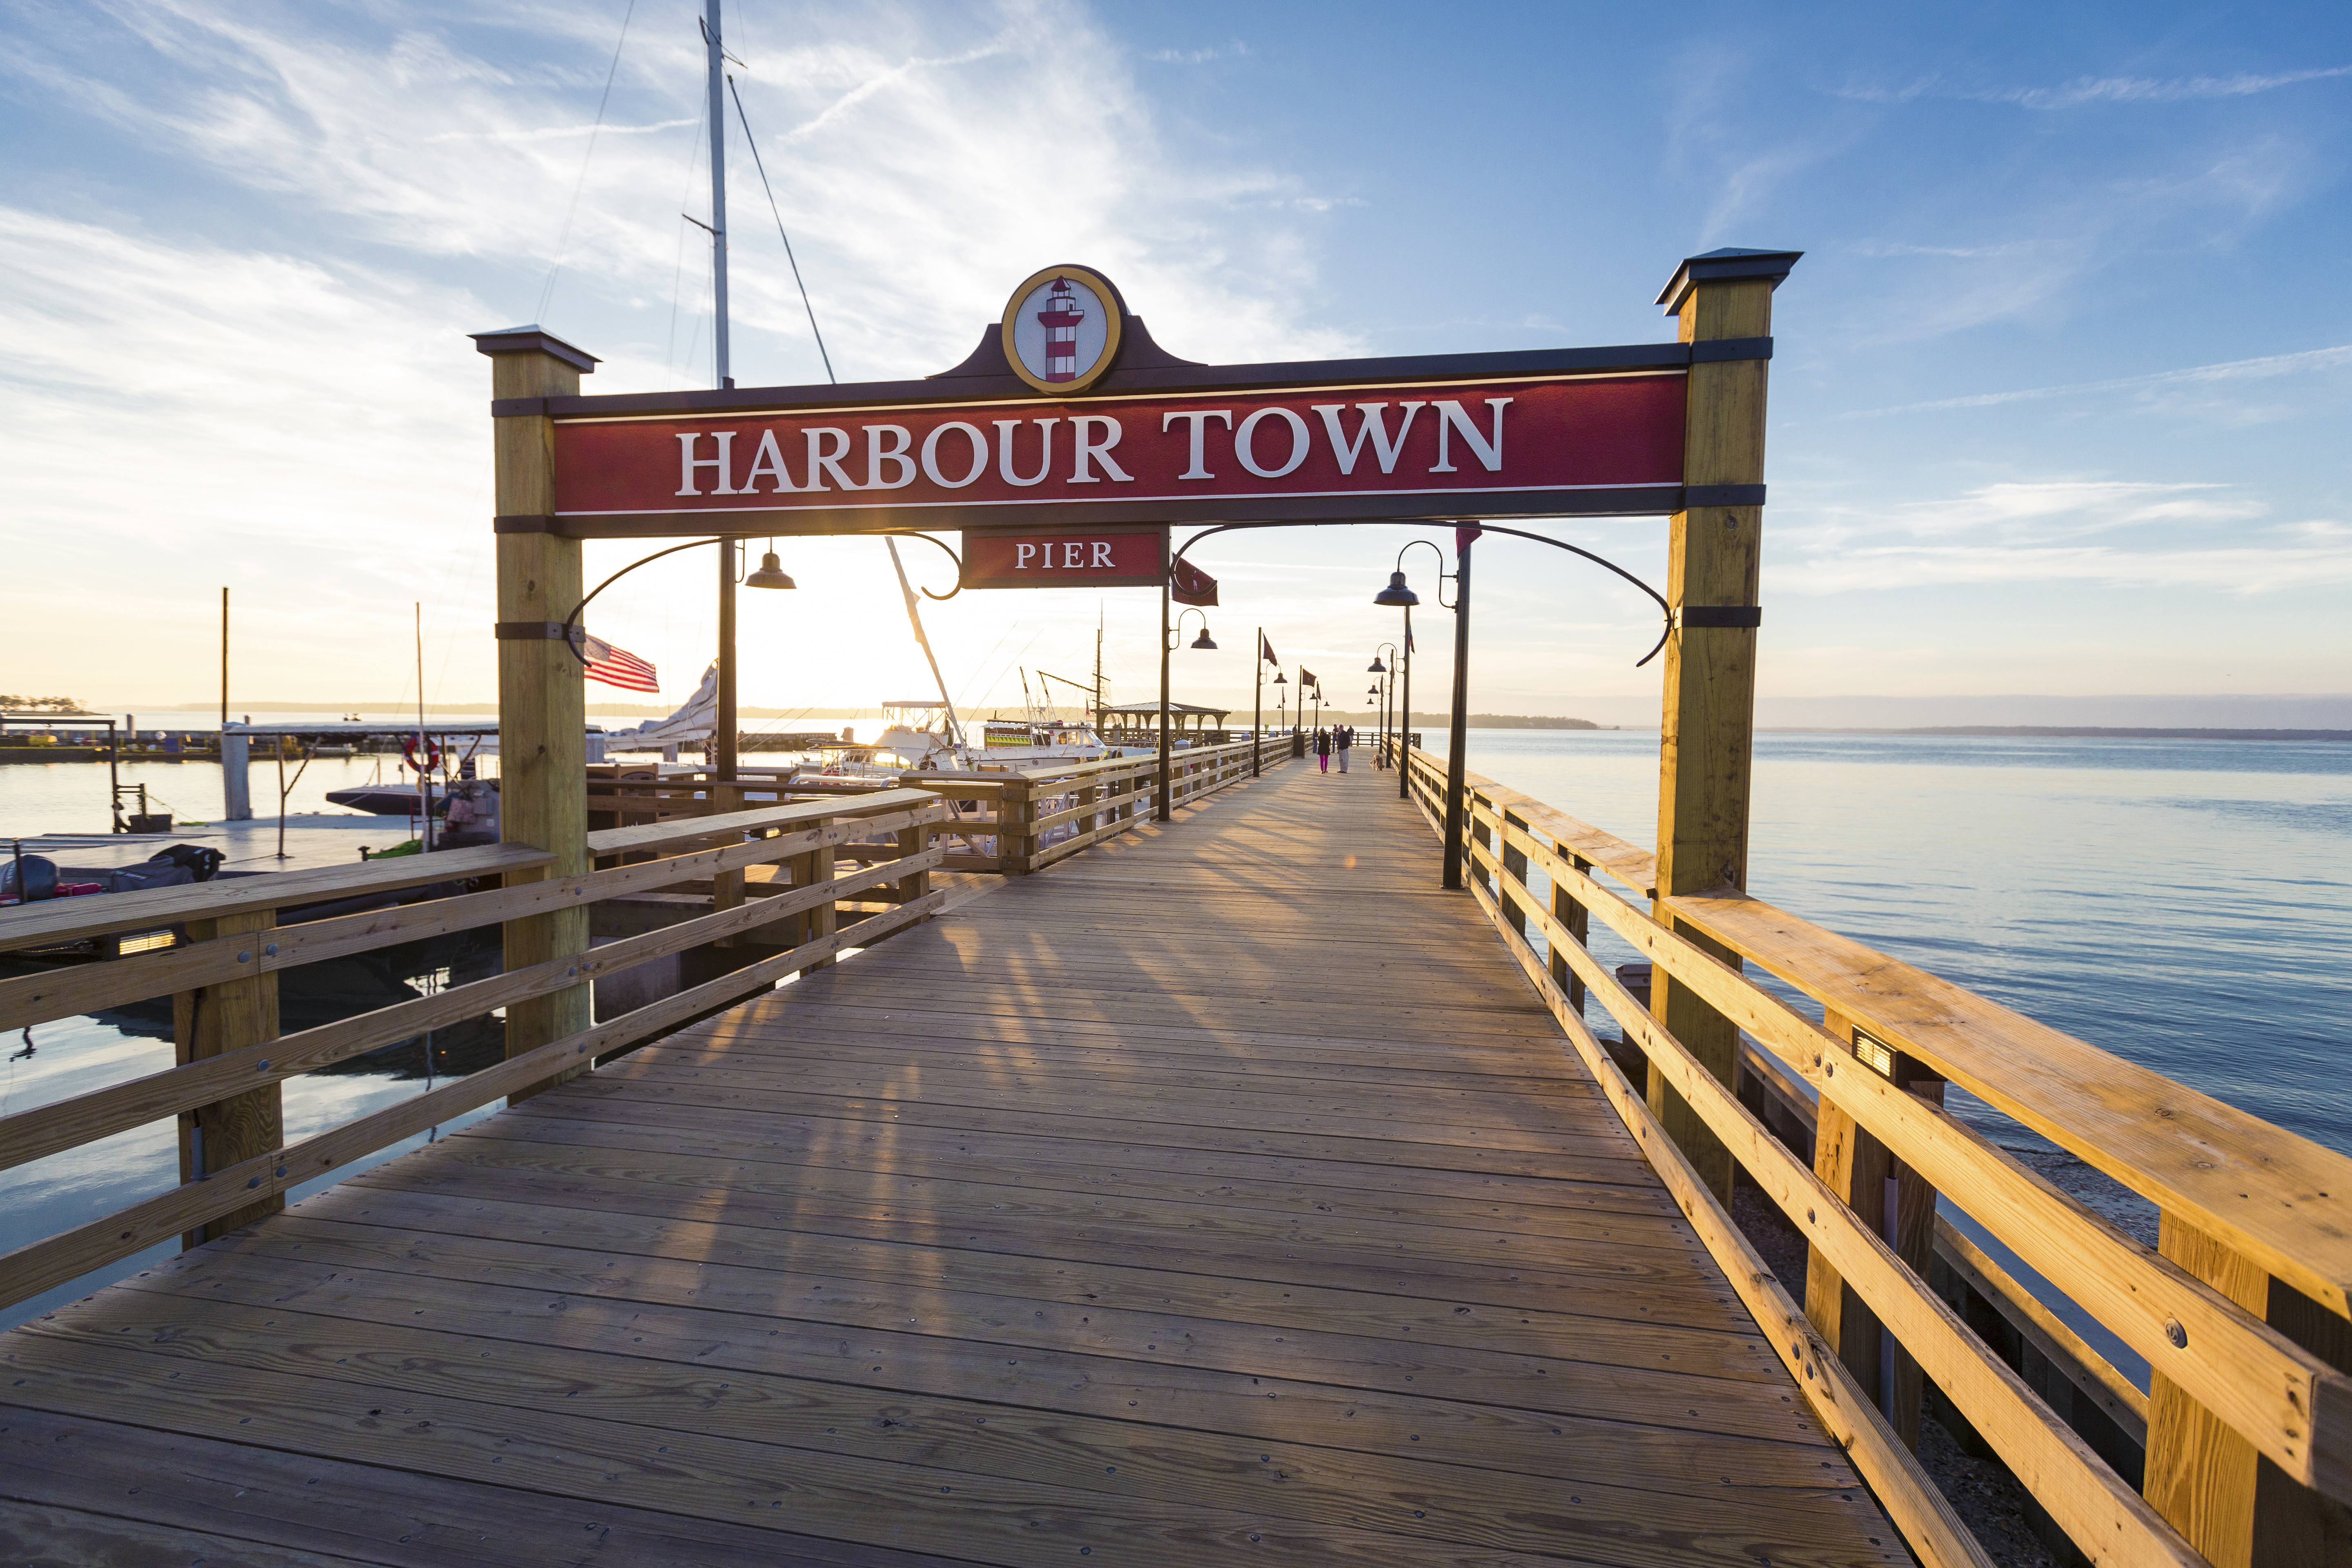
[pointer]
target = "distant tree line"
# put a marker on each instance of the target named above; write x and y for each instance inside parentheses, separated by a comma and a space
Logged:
(15, 704)
(1477, 721)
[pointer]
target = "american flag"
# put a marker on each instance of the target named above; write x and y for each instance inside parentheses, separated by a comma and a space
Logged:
(618, 666)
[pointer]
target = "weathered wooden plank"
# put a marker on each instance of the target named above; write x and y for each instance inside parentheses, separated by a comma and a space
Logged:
(185, 1485)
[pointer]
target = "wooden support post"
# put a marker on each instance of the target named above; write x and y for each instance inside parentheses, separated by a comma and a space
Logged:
(1016, 840)
(1578, 921)
(1915, 1243)
(1707, 728)
(542, 704)
(1515, 869)
(913, 841)
(726, 887)
(2230, 1502)
(210, 1022)
(822, 867)
(1854, 1166)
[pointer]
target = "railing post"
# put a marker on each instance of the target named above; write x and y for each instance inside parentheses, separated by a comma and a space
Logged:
(2228, 1502)
(1915, 1243)
(1515, 869)
(726, 887)
(543, 710)
(1573, 914)
(1016, 839)
(212, 1021)
(913, 841)
(1856, 1168)
(1707, 728)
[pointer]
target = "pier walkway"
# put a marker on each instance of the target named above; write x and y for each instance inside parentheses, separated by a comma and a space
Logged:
(1218, 1195)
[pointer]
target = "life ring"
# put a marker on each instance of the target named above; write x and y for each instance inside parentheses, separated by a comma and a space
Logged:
(409, 755)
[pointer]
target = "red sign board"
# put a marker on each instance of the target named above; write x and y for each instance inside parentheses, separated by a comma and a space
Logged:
(1072, 558)
(1495, 447)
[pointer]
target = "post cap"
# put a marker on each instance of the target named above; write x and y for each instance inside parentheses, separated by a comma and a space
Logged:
(534, 339)
(1721, 267)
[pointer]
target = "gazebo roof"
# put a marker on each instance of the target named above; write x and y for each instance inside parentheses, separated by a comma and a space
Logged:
(1173, 708)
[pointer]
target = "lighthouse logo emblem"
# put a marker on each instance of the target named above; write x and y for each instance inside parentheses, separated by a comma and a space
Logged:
(1062, 328)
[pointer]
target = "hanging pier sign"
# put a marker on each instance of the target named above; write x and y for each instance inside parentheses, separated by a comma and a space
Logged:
(1101, 557)
(1068, 417)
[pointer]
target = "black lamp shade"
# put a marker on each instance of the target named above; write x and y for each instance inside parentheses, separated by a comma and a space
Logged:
(771, 574)
(1202, 640)
(1376, 666)
(1396, 595)
(1280, 678)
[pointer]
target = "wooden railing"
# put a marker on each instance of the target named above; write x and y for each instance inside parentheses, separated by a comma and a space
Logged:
(2241, 1310)
(222, 974)
(1018, 812)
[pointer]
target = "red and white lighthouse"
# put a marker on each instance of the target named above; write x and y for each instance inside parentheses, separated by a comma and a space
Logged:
(1060, 318)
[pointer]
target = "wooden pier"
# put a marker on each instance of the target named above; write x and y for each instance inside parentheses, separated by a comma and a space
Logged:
(1214, 1194)
(1156, 1160)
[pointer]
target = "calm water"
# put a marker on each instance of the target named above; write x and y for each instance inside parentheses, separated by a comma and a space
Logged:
(2185, 904)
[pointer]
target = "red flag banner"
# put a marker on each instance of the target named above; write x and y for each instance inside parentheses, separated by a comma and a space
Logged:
(1306, 678)
(618, 667)
(1266, 650)
(1188, 584)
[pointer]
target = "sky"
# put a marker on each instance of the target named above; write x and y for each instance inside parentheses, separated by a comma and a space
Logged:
(2058, 407)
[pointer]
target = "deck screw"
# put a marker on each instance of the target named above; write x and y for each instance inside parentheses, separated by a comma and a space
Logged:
(2176, 1333)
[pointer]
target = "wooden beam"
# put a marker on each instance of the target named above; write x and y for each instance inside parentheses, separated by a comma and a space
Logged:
(542, 704)
(1855, 1166)
(1707, 730)
(212, 1021)
(2208, 1482)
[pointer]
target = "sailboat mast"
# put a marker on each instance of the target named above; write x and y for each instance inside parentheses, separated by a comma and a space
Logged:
(717, 190)
(915, 619)
(1098, 708)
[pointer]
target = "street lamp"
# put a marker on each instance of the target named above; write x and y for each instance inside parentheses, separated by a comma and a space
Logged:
(1257, 698)
(1387, 685)
(1396, 594)
(771, 574)
(1169, 638)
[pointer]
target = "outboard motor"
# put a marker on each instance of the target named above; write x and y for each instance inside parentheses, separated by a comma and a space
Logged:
(28, 878)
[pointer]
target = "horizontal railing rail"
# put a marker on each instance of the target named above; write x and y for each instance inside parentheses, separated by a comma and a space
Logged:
(712, 848)
(1871, 1073)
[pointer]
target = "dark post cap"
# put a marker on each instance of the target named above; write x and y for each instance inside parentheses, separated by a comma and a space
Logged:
(534, 339)
(1722, 266)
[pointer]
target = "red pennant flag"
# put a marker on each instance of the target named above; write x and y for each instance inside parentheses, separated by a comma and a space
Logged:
(1306, 678)
(1188, 584)
(1266, 650)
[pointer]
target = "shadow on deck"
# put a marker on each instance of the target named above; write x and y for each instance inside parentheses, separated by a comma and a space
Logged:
(1218, 1192)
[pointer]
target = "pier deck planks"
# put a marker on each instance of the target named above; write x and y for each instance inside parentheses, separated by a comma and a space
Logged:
(1220, 1191)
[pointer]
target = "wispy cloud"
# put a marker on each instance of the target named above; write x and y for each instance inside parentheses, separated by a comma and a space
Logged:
(1232, 51)
(2094, 89)
(2269, 365)
(2150, 89)
(2118, 532)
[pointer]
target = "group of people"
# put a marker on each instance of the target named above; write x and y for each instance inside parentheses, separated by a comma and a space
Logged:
(1341, 740)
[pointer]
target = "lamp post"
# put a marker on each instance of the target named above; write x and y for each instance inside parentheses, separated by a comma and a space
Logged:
(1168, 637)
(1397, 594)
(1386, 685)
(771, 574)
(1281, 702)
(1257, 698)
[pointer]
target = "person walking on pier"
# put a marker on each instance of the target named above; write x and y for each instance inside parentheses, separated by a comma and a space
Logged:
(1323, 750)
(1342, 740)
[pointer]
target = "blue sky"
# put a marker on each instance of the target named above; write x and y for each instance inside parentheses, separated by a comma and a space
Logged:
(2059, 406)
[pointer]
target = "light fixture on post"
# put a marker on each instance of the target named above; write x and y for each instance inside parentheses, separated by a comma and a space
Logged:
(1174, 634)
(771, 574)
(1397, 596)
(1388, 685)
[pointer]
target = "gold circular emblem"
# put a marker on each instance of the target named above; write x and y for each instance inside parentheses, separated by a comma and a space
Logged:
(1062, 328)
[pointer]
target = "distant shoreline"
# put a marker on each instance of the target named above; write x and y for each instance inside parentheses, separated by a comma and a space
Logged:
(2072, 731)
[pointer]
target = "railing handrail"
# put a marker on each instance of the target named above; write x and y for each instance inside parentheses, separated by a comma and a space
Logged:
(74, 920)
(2274, 1194)
(2292, 1405)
